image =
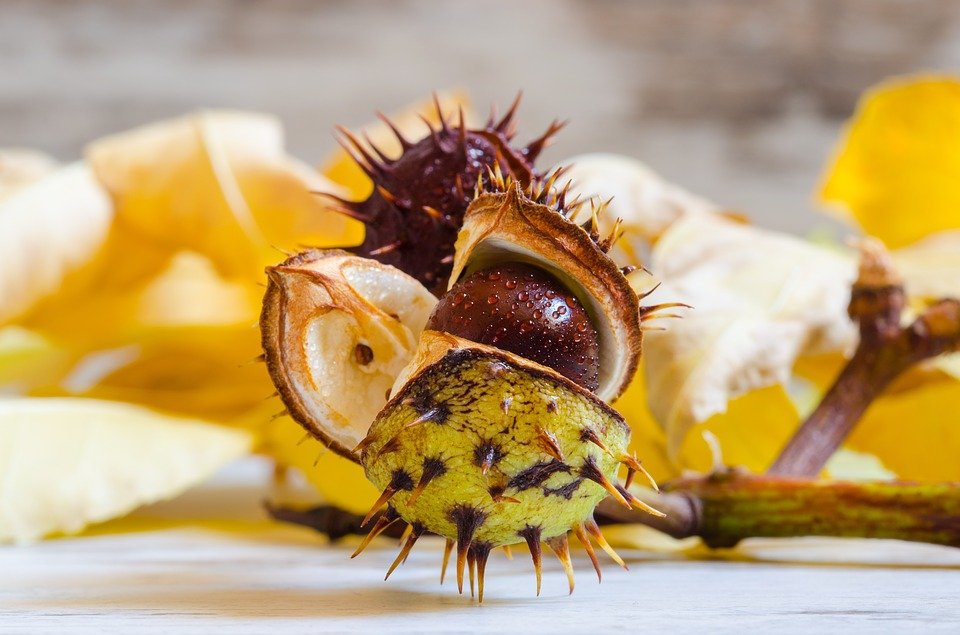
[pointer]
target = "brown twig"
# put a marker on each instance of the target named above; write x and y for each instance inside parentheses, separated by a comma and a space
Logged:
(333, 522)
(885, 350)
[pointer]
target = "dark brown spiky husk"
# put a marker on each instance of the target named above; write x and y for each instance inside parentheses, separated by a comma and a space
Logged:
(416, 208)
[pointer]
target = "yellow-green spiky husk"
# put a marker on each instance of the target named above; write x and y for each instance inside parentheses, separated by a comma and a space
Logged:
(487, 453)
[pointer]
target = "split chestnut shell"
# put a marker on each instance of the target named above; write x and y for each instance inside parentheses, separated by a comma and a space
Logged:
(336, 331)
(510, 226)
(479, 445)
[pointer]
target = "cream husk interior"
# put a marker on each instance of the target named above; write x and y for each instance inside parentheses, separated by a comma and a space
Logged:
(324, 306)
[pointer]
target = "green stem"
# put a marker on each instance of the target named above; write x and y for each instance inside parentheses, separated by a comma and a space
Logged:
(730, 506)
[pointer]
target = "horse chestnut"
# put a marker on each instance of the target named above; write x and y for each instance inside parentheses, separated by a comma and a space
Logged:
(520, 308)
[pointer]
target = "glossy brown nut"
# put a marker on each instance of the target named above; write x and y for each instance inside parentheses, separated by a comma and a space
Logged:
(520, 308)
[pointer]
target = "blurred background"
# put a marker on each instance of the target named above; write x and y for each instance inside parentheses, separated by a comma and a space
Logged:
(738, 100)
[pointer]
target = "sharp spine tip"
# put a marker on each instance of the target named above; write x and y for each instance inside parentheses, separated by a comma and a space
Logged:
(636, 503)
(279, 415)
(561, 547)
(634, 466)
(386, 519)
(471, 569)
(590, 435)
(385, 193)
(467, 519)
(584, 539)
(550, 444)
(531, 534)
(386, 249)
(383, 499)
(364, 444)
(594, 530)
(649, 312)
(404, 143)
(482, 552)
(432, 468)
(447, 548)
(412, 535)
(433, 213)
(592, 472)
(643, 296)
(505, 123)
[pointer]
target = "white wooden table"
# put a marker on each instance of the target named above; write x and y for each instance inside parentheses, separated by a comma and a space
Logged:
(251, 576)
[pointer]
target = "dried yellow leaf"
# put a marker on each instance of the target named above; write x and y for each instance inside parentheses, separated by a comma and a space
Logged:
(895, 173)
(647, 440)
(28, 359)
(219, 184)
(761, 300)
(49, 229)
(768, 307)
(67, 463)
(19, 167)
(912, 428)
(931, 266)
(202, 371)
(645, 203)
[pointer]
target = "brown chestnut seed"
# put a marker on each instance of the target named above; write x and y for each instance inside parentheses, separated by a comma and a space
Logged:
(522, 309)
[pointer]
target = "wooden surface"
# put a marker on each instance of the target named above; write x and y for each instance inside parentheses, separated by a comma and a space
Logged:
(281, 581)
(251, 576)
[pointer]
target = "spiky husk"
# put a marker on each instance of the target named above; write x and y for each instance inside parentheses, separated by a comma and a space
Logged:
(488, 449)
(536, 225)
(476, 444)
(416, 208)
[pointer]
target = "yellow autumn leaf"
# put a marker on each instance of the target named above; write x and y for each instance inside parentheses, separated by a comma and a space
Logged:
(851, 465)
(768, 306)
(344, 171)
(20, 167)
(912, 428)
(49, 228)
(184, 343)
(761, 300)
(895, 173)
(750, 432)
(185, 290)
(28, 359)
(219, 184)
(950, 364)
(201, 371)
(908, 429)
(648, 441)
(67, 463)
(768, 414)
(645, 203)
(931, 266)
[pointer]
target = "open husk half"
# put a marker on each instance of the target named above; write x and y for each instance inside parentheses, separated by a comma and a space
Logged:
(509, 226)
(337, 330)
